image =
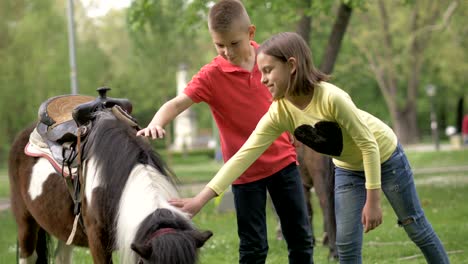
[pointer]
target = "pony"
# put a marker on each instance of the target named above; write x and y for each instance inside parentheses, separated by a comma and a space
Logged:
(317, 171)
(124, 201)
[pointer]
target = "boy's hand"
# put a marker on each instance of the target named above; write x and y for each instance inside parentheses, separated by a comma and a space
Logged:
(189, 205)
(372, 212)
(153, 131)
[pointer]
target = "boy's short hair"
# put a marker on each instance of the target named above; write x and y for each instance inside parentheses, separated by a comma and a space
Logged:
(290, 44)
(224, 13)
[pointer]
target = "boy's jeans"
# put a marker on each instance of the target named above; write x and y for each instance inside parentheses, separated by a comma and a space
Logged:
(285, 188)
(398, 186)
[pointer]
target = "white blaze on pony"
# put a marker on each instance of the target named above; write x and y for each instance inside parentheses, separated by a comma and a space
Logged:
(41, 171)
(92, 178)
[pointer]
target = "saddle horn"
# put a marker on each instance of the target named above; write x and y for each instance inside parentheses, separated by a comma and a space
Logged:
(83, 112)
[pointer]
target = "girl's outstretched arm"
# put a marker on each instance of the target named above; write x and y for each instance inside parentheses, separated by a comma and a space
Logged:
(193, 205)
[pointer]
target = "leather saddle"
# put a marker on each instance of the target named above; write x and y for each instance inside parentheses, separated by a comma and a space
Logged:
(60, 118)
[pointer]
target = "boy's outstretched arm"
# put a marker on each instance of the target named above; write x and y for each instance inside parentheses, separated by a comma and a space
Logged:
(193, 205)
(164, 115)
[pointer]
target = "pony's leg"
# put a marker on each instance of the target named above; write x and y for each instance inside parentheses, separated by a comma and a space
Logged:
(321, 171)
(316, 174)
(63, 253)
(32, 241)
(307, 182)
(99, 247)
(27, 240)
(100, 244)
(27, 231)
(29, 260)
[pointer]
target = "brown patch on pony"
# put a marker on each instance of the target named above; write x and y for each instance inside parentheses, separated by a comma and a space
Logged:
(56, 220)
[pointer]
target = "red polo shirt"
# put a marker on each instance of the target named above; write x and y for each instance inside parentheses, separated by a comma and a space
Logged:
(238, 100)
(465, 125)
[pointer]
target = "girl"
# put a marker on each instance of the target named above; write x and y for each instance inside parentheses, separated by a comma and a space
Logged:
(365, 151)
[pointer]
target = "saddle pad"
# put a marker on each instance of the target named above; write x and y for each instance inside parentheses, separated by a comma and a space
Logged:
(37, 148)
(58, 109)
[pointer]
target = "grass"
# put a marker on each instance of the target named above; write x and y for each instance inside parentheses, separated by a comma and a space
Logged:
(4, 185)
(435, 159)
(386, 244)
(195, 169)
(443, 205)
(202, 167)
(443, 202)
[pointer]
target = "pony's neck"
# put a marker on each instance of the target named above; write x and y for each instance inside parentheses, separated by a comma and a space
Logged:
(145, 191)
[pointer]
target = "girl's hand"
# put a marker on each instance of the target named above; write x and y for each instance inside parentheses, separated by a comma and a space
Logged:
(193, 205)
(189, 205)
(372, 212)
(153, 131)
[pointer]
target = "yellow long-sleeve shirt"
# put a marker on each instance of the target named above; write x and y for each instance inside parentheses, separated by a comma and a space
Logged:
(367, 141)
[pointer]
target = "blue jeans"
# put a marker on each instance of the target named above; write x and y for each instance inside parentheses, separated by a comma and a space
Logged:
(285, 188)
(398, 186)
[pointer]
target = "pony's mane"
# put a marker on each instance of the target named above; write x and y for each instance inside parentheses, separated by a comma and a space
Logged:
(116, 149)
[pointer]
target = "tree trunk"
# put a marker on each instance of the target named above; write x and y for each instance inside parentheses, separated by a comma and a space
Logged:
(405, 126)
(336, 36)
(303, 25)
(325, 191)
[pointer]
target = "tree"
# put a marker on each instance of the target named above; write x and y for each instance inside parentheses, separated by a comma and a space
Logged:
(397, 61)
(319, 168)
(34, 55)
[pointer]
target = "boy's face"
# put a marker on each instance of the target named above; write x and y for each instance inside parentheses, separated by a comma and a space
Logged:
(234, 45)
(275, 74)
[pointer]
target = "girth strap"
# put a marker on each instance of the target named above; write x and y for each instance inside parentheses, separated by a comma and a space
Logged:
(76, 186)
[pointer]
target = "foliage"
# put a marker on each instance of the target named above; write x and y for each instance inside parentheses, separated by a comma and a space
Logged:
(405, 50)
(35, 64)
(138, 51)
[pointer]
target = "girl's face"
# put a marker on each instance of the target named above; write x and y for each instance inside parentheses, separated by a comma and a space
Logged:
(275, 74)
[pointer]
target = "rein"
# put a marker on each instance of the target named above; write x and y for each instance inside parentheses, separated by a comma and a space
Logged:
(160, 232)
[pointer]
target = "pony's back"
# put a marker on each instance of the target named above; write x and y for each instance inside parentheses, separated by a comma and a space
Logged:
(16, 156)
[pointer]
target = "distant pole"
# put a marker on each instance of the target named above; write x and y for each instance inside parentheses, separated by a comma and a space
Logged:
(431, 92)
(218, 155)
(71, 48)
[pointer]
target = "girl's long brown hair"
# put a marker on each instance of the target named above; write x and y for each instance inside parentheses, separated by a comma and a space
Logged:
(289, 44)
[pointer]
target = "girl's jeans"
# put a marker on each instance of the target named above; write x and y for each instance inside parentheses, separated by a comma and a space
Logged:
(285, 188)
(398, 186)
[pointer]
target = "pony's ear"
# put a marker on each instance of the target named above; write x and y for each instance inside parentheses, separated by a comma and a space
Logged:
(141, 249)
(201, 237)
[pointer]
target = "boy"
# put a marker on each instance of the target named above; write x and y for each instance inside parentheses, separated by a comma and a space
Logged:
(231, 86)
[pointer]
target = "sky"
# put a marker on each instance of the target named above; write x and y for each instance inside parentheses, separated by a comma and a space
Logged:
(96, 8)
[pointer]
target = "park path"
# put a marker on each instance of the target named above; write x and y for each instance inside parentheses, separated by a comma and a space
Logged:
(4, 204)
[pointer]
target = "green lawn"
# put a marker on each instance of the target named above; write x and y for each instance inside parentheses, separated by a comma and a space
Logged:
(444, 207)
(4, 185)
(201, 168)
